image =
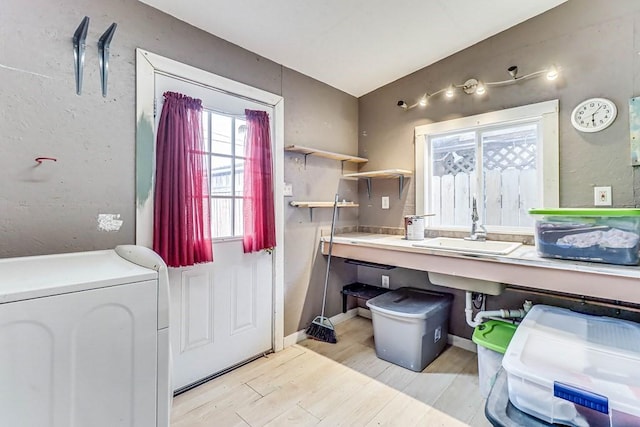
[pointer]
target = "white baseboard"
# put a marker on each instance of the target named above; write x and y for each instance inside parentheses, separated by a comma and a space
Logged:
(363, 312)
(300, 335)
(294, 338)
(463, 343)
(341, 317)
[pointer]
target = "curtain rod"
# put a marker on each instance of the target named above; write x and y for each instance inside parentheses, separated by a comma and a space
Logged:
(203, 85)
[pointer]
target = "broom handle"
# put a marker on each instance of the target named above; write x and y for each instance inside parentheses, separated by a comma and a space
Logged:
(326, 276)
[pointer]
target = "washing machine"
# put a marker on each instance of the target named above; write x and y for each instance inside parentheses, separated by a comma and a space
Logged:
(84, 339)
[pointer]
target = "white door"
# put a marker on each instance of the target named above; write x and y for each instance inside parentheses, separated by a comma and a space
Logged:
(80, 359)
(221, 312)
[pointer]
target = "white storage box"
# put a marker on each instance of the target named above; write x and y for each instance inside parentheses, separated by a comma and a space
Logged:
(575, 369)
(410, 326)
(489, 363)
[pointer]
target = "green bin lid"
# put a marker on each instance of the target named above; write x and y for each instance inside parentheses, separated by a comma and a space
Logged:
(599, 212)
(494, 335)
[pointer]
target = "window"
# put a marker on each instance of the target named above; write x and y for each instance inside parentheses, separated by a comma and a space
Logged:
(224, 138)
(507, 160)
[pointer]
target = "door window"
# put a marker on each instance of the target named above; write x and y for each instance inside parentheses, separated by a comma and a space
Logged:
(224, 137)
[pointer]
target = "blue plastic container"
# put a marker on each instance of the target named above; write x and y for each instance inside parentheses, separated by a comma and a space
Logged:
(609, 236)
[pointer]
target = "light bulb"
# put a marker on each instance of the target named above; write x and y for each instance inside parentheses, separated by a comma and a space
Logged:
(449, 92)
(423, 101)
(552, 73)
(480, 88)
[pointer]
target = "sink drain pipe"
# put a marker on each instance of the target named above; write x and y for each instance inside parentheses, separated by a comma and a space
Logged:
(485, 314)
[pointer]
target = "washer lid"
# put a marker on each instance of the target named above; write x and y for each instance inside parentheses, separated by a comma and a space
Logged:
(45, 275)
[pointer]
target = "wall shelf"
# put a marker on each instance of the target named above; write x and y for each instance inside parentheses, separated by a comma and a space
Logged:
(308, 151)
(385, 173)
(312, 205)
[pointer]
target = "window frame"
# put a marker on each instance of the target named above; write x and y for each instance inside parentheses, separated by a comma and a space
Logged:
(547, 158)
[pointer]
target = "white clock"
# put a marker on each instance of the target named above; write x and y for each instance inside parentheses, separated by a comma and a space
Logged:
(593, 115)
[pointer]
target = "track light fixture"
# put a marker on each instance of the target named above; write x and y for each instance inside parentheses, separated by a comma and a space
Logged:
(474, 86)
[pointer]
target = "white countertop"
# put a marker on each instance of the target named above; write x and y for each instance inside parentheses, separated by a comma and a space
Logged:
(522, 267)
(524, 255)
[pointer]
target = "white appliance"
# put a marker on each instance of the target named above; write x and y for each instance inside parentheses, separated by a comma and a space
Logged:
(84, 339)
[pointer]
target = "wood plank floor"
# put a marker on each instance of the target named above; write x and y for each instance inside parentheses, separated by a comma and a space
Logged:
(344, 384)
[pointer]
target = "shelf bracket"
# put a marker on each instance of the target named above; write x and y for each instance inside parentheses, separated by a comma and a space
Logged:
(103, 52)
(79, 45)
(305, 160)
(342, 167)
(401, 182)
(311, 214)
(368, 187)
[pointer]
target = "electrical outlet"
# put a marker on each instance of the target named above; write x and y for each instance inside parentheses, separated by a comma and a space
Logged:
(385, 281)
(287, 190)
(602, 196)
(385, 202)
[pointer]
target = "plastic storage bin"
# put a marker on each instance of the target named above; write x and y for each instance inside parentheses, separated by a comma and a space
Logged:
(492, 338)
(410, 326)
(602, 235)
(575, 369)
(501, 413)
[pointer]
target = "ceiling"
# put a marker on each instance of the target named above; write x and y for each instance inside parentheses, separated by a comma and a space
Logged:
(354, 45)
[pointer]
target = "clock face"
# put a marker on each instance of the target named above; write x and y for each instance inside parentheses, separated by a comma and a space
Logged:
(593, 115)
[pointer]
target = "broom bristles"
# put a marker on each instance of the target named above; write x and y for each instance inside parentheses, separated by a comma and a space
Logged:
(319, 330)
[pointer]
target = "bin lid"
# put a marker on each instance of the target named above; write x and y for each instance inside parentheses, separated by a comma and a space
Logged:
(554, 348)
(410, 302)
(494, 335)
(597, 212)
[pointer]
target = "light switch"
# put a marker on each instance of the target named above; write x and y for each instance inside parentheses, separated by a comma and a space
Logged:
(385, 202)
(287, 190)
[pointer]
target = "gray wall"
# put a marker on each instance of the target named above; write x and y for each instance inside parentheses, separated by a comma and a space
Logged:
(324, 119)
(596, 43)
(52, 208)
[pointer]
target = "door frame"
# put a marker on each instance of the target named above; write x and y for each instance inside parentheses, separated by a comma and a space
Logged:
(147, 64)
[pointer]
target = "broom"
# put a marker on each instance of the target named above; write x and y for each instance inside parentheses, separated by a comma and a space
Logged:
(321, 328)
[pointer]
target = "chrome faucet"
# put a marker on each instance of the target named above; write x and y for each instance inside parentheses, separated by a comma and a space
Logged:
(478, 231)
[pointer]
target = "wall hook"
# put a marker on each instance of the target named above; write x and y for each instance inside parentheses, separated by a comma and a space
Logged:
(41, 159)
(79, 38)
(103, 53)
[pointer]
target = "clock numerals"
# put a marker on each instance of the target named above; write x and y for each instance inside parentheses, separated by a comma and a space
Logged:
(593, 114)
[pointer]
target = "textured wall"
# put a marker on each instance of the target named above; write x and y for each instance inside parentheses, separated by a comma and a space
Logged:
(323, 118)
(53, 208)
(596, 43)
(597, 48)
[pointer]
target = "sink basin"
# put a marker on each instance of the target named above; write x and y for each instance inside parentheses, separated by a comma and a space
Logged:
(492, 247)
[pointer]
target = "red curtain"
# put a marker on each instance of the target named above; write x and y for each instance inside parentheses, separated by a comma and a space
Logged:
(259, 217)
(181, 218)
